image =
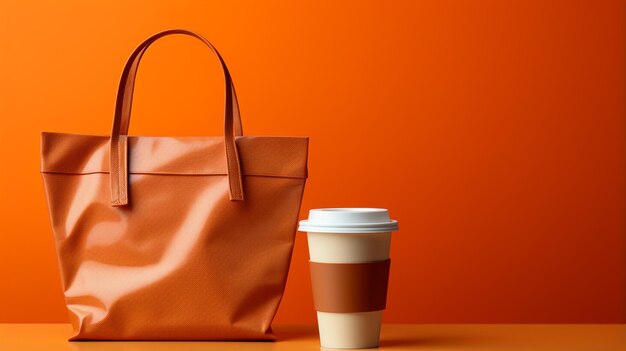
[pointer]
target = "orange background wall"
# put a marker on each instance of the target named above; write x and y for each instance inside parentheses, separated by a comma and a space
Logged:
(494, 131)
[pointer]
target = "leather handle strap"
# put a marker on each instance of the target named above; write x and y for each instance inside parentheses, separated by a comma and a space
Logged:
(129, 85)
(350, 287)
(123, 104)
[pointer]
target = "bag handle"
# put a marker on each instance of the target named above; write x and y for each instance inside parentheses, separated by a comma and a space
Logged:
(119, 135)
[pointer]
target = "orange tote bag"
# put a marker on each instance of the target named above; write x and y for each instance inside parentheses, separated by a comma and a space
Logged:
(173, 238)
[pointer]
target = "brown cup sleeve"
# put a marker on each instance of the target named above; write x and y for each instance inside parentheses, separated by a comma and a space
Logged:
(350, 287)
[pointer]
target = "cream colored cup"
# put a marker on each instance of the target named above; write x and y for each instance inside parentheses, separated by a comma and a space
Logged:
(349, 235)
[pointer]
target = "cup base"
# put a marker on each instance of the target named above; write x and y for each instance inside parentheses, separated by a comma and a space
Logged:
(349, 330)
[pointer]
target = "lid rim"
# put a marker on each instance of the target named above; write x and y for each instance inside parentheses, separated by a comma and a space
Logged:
(346, 231)
(366, 224)
(391, 226)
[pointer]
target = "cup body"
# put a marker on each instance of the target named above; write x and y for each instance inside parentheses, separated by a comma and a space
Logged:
(349, 260)
(356, 329)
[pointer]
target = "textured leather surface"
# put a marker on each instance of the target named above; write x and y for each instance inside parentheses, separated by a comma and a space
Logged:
(179, 260)
(350, 287)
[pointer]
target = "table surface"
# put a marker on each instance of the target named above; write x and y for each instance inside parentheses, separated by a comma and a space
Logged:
(606, 337)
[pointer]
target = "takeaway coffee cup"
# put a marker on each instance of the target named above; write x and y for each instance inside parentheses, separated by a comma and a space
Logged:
(349, 262)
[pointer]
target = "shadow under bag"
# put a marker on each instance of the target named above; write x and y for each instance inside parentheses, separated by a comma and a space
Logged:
(173, 238)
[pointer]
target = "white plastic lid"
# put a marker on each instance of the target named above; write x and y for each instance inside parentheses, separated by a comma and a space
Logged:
(348, 220)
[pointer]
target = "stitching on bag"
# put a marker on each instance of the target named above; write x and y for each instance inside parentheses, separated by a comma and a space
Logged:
(177, 174)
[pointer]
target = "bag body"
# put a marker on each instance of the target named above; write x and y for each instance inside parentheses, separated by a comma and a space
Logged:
(173, 238)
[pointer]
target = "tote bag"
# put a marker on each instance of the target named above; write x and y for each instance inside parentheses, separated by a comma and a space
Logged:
(173, 238)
